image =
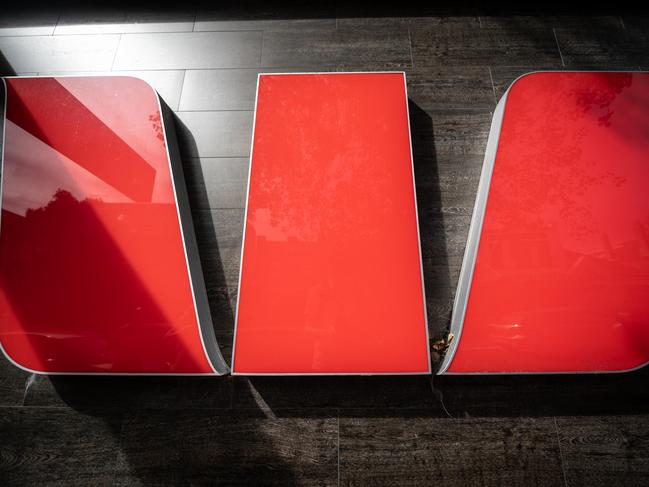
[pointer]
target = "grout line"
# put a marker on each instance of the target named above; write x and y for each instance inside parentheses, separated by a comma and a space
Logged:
(138, 33)
(493, 85)
(412, 61)
(556, 39)
(563, 468)
(112, 65)
(338, 446)
(278, 69)
(182, 89)
(218, 208)
(123, 417)
(252, 409)
(261, 49)
(216, 157)
(56, 24)
(47, 406)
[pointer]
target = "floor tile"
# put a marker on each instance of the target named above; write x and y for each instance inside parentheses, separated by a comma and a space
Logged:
(222, 89)
(523, 22)
(441, 87)
(12, 383)
(128, 393)
(455, 179)
(293, 15)
(271, 393)
(188, 50)
(375, 21)
(28, 23)
(602, 451)
(223, 305)
(229, 448)
(218, 183)
(631, 20)
(98, 21)
(445, 133)
(204, 23)
(448, 46)
(224, 339)
(390, 14)
(603, 48)
(215, 134)
(64, 53)
(219, 234)
(443, 238)
(58, 446)
(415, 450)
(389, 48)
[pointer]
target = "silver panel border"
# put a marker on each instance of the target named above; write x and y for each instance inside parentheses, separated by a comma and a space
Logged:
(473, 240)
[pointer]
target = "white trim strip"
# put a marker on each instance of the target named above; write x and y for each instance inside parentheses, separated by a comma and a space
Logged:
(473, 240)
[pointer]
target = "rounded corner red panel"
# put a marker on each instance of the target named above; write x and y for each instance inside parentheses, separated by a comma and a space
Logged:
(92, 264)
(561, 277)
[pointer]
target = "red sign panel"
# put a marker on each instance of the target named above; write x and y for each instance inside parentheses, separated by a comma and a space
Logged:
(556, 273)
(331, 279)
(94, 239)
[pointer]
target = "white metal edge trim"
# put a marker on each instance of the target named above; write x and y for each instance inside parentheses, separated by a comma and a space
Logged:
(236, 320)
(466, 273)
(203, 318)
(182, 231)
(473, 241)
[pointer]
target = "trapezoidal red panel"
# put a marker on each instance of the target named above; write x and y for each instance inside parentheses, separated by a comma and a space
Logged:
(95, 243)
(556, 274)
(331, 279)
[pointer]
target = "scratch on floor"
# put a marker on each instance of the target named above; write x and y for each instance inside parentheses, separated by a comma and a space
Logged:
(439, 395)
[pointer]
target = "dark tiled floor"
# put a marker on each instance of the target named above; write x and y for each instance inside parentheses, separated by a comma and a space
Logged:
(420, 450)
(459, 59)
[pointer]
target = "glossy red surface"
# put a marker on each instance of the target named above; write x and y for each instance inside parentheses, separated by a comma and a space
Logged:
(561, 281)
(331, 279)
(92, 264)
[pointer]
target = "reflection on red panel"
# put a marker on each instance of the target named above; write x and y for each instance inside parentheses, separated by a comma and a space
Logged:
(93, 270)
(331, 271)
(561, 281)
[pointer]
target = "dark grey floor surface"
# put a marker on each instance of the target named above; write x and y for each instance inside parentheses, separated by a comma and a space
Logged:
(465, 431)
